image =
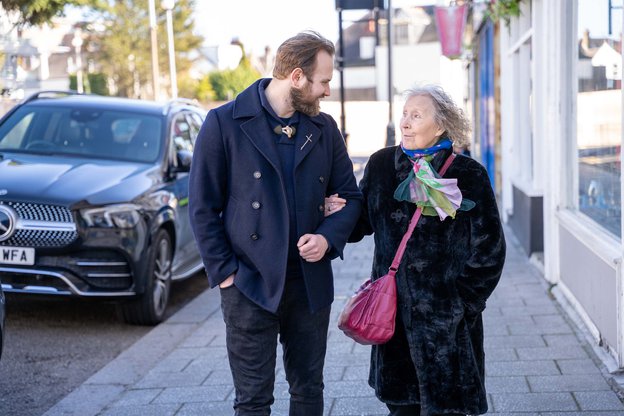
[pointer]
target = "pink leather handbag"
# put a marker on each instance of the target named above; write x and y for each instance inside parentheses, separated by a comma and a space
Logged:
(370, 314)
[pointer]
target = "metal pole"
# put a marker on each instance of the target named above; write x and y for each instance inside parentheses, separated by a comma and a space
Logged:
(77, 44)
(154, 44)
(172, 65)
(610, 18)
(341, 72)
(376, 17)
(390, 132)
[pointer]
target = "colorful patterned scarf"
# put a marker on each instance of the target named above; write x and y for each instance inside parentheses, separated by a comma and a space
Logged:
(444, 143)
(424, 187)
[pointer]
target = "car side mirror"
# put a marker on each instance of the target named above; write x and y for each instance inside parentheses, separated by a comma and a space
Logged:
(184, 159)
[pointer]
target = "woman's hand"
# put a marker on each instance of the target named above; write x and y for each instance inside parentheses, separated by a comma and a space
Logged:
(333, 204)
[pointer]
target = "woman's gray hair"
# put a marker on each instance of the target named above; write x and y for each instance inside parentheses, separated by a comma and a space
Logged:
(447, 114)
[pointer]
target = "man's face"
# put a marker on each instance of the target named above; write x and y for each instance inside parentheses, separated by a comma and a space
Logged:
(306, 99)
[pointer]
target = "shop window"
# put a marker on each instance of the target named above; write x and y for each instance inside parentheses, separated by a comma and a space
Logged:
(599, 111)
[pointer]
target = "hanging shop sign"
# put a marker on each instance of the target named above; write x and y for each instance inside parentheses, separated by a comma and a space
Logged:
(450, 22)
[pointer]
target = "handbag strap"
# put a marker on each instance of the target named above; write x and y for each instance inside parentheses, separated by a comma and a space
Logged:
(412, 225)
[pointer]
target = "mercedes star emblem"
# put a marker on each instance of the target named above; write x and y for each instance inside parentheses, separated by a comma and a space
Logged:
(7, 222)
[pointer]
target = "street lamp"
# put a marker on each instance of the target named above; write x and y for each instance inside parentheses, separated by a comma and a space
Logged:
(77, 44)
(154, 46)
(168, 6)
(390, 130)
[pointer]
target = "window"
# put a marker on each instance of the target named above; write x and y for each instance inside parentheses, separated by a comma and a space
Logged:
(82, 131)
(182, 134)
(599, 111)
(16, 132)
(195, 122)
(521, 56)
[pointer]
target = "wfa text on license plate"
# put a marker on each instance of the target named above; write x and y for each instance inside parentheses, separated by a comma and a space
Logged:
(17, 255)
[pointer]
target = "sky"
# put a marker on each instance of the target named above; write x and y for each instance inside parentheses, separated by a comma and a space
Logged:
(261, 23)
(258, 23)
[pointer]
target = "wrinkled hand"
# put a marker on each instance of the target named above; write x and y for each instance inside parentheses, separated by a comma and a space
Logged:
(333, 204)
(312, 247)
(229, 281)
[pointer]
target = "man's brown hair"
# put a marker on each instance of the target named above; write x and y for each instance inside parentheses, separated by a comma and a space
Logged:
(300, 52)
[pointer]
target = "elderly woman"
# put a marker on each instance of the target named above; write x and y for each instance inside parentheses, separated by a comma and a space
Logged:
(434, 364)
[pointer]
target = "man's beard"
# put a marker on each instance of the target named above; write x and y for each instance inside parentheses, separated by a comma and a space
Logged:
(300, 100)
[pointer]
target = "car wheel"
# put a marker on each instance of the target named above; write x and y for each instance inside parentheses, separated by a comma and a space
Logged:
(150, 307)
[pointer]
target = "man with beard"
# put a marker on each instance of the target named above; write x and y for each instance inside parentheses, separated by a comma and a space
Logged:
(262, 168)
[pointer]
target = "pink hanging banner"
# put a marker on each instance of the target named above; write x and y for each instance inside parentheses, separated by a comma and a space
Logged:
(450, 22)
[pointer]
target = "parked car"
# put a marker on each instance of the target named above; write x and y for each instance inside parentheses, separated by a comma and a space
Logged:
(94, 199)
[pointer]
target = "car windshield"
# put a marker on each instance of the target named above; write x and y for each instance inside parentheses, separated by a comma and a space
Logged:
(82, 131)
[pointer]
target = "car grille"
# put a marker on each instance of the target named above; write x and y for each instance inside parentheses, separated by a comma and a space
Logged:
(85, 273)
(40, 238)
(40, 212)
(102, 269)
(48, 228)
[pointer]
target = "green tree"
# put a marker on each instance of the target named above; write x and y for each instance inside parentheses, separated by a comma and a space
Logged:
(122, 50)
(95, 83)
(187, 86)
(229, 83)
(203, 90)
(37, 12)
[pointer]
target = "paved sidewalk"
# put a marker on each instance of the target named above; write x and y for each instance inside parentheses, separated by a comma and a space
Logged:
(538, 361)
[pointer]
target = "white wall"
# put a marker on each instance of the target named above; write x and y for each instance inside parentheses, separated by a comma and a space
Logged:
(365, 124)
(358, 77)
(411, 65)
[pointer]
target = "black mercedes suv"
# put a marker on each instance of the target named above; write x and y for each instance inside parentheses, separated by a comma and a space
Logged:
(94, 199)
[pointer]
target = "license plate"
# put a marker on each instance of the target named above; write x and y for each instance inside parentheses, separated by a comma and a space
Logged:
(17, 255)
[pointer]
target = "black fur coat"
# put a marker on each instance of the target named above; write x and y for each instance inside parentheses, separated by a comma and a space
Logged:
(448, 271)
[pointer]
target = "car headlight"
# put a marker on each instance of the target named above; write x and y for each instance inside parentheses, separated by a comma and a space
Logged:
(112, 216)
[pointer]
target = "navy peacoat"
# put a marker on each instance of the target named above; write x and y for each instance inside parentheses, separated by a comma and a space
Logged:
(238, 206)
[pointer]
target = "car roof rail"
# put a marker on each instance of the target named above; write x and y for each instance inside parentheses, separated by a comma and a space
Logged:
(41, 93)
(182, 101)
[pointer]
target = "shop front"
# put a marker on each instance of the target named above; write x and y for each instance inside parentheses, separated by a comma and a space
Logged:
(561, 134)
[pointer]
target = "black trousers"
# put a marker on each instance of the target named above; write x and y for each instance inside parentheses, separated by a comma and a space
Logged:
(251, 339)
(410, 410)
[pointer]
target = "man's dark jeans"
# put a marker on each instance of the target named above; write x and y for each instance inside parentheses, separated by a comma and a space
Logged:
(251, 337)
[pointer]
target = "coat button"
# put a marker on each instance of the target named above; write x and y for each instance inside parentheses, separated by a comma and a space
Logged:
(254, 236)
(257, 174)
(321, 208)
(321, 179)
(255, 205)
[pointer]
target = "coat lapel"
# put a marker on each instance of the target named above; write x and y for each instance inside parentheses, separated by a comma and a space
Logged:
(259, 132)
(307, 137)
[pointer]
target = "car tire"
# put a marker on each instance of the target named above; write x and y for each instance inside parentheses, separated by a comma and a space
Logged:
(149, 308)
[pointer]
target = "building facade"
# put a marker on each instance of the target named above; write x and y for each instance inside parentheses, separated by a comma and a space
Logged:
(549, 130)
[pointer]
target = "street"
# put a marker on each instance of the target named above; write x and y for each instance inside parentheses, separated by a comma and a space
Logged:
(53, 345)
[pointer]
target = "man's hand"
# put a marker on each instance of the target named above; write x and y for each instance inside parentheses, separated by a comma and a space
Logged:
(312, 247)
(229, 281)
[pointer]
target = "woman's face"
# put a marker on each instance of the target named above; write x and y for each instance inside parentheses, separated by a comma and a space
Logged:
(418, 127)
